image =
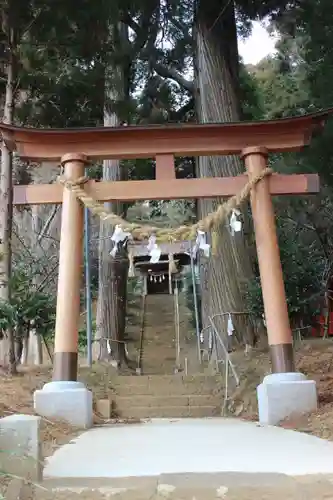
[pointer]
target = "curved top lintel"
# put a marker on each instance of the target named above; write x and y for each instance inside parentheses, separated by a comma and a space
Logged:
(286, 134)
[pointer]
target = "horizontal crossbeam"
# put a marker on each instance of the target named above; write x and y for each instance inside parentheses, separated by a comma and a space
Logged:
(287, 134)
(166, 189)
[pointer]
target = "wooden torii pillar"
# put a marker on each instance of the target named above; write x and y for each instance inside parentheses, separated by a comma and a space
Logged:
(75, 147)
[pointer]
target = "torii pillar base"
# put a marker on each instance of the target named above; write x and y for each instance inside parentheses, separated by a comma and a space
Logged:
(69, 401)
(283, 395)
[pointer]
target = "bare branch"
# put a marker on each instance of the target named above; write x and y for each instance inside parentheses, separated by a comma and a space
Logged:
(142, 29)
(173, 74)
(29, 25)
(47, 224)
(151, 56)
(45, 280)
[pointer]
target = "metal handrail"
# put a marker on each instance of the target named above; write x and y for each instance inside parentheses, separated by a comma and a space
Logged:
(143, 315)
(177, 327)
(203, 330)
(231, 313)
(195, 304)
(216, 340)
(225, 350)
(201, 340)
(227, 362)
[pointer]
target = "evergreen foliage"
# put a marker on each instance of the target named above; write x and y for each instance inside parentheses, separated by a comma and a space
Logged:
(61, 51)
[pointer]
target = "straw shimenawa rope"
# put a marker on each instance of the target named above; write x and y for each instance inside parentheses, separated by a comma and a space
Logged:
(142, 232)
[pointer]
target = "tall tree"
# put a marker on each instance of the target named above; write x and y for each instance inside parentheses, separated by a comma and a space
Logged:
(218, 100)
(111, 311)
(15, 19)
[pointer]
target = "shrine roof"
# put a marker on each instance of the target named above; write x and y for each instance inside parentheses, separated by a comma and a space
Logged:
(285, 134)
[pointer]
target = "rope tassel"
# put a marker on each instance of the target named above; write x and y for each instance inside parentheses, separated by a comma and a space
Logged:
(131, 268)
(172, 265)
(215, 242)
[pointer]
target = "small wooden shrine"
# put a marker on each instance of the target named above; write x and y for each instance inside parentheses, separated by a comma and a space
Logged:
(157, 275)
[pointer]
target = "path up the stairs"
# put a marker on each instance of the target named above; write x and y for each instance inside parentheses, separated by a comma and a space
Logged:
(159, 392)
(159, 337)
(167, 396)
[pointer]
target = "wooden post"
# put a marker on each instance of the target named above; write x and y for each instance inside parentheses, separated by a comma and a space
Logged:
(69, 279)
(274, 296)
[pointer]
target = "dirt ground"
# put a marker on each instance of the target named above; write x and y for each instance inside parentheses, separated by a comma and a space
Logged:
(16, 396)
(314, 358)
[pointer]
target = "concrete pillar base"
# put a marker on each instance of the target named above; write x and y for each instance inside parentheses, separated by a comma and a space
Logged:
(68, 401)
(282, 395)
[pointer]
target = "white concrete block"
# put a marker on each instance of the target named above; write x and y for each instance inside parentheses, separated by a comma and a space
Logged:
(68, 401)
(282, 395)
(20, 446)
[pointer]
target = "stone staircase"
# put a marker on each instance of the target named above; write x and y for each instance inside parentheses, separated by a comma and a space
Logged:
(159, 336)
(216, 485)
(167, 396)
(159, 392)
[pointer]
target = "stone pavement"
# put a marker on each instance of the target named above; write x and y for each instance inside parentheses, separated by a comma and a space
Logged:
(229, 486)
(189, 459)
(177, 446)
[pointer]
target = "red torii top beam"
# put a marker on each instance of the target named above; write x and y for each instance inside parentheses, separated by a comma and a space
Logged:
(163, 143)
(287, 134)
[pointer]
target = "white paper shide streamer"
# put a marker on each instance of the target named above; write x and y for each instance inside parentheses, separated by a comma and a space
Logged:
(154, 250)
(201, 244)
(234, 223)
(119, 236)
(230, 326)
(264, 320)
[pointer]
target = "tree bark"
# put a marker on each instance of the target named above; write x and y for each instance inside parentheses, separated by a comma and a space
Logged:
(35, 338)
(6, 203)
(111, 306)
(217, 100)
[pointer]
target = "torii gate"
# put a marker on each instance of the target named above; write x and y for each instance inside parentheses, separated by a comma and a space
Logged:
(75, 147)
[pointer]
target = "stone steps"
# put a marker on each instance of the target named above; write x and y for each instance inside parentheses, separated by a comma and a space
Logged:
(167, 385)
(164, 391)
(158, 350)
(144, 406)
(159, 353)
(228, 485)
(124, 402)
(159, 392)
(165, 396)
(144, 412)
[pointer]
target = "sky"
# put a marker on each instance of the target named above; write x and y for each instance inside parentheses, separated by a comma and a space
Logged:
(257, 46)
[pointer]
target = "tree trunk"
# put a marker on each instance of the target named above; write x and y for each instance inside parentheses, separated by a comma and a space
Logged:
(35, 338)
(35, 346)
(108, 284)
(25, 352)
(224, 274)
(111, 307)
(6, 203)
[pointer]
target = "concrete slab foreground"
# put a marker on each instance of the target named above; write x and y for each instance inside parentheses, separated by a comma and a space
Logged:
(192, 486)
(165, 446)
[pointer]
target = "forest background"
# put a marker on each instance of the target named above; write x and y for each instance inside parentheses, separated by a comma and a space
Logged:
(112, 63)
